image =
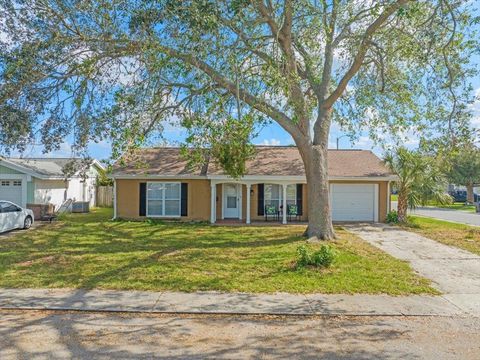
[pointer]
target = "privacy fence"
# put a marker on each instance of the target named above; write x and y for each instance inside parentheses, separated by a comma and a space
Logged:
(105, 196)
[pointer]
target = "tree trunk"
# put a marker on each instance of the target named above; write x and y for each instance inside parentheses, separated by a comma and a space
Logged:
(402, 207)
(319, 212)
(470, 196)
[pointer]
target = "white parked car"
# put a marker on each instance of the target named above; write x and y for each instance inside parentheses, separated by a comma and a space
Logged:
(13, 217)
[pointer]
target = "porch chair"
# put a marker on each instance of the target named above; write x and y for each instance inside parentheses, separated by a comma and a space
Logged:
(271, 210)
(292, 211)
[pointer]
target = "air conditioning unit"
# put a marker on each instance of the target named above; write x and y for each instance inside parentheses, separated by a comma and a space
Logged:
(81, 207)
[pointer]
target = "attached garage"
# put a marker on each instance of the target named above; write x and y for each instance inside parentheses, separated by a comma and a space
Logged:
(354, 202)
(38, 181)
(11, 190)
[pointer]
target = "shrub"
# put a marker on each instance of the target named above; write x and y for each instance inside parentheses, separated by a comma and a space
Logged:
(392, 217)
(321, 258)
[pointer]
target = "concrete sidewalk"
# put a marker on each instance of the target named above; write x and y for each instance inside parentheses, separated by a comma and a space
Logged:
(232, 303)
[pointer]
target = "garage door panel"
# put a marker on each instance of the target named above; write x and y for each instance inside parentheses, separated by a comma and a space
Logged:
(352, 202)
(11, 190)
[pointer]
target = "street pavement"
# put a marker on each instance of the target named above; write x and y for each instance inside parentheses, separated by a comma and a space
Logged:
(448, 215)
(457, 216)
(80, 335)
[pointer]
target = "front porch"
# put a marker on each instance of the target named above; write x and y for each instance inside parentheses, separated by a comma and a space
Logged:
(256, 202)
(236, 222)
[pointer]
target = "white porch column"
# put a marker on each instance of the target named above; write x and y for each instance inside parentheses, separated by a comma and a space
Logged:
(213, 202)
(247, 215)
(284, 211)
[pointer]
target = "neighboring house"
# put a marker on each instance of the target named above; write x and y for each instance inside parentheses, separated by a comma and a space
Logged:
(43, 181)
(156, 182)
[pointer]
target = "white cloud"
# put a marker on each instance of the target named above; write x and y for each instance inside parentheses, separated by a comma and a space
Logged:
(65, 150)
(271, 142)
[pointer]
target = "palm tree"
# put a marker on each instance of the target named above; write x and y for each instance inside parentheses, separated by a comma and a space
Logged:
(420, 180)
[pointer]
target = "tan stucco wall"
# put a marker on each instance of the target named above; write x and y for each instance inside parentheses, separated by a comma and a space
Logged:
(199, 199)
(128, 198)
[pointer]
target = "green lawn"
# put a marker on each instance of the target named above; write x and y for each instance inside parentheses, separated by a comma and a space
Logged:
(90, 251)
(456, 206)
(459, 235)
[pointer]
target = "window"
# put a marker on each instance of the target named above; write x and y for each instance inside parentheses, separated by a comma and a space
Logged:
(163, 199)
(5, 183)
(6, 207)
(273, 195)
(17, 183)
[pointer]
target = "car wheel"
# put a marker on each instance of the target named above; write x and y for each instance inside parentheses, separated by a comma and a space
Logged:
(27, 223)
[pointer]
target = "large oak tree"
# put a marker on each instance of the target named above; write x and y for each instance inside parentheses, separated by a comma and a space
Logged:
(119, 69)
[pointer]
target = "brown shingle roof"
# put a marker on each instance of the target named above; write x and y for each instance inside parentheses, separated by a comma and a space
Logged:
(269, 160)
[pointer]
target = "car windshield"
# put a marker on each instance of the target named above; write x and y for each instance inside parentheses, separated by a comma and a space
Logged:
(8, 207)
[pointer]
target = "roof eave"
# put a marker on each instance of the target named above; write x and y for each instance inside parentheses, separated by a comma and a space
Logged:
(121, 176)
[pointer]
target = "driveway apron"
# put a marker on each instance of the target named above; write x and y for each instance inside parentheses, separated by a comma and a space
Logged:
(455, 272)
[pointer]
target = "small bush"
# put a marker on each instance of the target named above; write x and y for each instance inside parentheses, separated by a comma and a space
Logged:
(154, 222)
(321, 258)
(392, 217)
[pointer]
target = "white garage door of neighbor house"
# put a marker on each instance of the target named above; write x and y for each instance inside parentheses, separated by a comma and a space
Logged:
(353, 202)
(11, 190)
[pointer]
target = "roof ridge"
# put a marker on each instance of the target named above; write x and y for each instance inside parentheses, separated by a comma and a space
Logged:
(44, 158)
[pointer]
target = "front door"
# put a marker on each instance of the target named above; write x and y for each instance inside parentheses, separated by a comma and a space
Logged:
(230, 201)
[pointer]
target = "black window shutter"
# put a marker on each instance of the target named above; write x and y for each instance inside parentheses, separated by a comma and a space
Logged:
(300, 199)
(143, 200)
(184, 201)
(260, 198)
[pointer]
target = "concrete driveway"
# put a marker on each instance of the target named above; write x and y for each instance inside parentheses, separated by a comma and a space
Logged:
(455, 272)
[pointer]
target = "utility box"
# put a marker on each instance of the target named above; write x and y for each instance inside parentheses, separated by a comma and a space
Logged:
(81, 207)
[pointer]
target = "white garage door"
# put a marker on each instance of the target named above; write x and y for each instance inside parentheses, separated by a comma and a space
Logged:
(353, 202)
(11, 190)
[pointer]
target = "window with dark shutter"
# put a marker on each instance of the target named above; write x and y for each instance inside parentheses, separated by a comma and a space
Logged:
(300, 199)
(143, 200)
(184, 204)
(260, 198)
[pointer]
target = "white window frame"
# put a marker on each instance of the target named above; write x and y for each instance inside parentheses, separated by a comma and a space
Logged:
(17, 183)
(5, 182)
(163, 200)
(280, 191)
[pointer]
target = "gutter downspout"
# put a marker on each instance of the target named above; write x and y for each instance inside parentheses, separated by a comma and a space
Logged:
(114, 199)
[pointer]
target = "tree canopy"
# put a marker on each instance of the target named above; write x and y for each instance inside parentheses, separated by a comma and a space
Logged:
(463, 168)
(420, 180)
(122, 69)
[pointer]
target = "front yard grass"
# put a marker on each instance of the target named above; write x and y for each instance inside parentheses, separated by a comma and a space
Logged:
(463, 236)
(455, 206)
(90, 251)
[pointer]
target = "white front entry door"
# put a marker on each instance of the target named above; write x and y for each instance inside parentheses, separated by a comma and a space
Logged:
(230, 201)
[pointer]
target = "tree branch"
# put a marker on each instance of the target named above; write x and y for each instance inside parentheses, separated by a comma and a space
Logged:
(231, 87)
(359, 57)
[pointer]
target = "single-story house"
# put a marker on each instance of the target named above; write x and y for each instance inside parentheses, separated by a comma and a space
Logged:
(34, 181)
(157, 183)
